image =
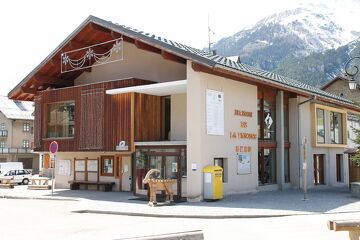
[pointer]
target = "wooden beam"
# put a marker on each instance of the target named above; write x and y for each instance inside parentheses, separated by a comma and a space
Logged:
(96, 27)
(172, 57)
(29, 90)
(115, 35)
(147, 47)
(53, 80)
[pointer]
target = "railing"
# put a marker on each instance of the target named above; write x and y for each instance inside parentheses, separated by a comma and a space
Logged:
(3, 133)
(15, 150)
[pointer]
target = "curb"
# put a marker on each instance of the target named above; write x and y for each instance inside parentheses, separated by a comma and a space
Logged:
(137, 214)
(38, 198)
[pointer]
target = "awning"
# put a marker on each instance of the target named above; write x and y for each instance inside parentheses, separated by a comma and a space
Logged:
(157, 89)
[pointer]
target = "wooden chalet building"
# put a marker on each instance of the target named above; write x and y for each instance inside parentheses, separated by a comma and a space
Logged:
(169, 106)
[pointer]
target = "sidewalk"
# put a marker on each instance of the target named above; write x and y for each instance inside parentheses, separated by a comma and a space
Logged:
(261, 204)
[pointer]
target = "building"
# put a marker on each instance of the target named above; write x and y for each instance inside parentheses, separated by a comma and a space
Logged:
(148, 102)
(340, 86)
(17, 133)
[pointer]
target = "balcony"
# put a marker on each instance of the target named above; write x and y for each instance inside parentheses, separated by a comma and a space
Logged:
(16, 150)
(3, 133)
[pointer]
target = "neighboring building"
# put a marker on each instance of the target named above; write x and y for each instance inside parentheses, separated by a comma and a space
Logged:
(172, 107)
(340, 86)
(17, 133)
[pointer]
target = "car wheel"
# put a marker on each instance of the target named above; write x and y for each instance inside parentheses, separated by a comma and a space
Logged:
(25, 181)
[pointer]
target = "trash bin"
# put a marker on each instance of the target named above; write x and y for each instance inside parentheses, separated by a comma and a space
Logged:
(213, 187)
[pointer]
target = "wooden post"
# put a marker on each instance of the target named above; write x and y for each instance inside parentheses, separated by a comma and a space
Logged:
(352, 226)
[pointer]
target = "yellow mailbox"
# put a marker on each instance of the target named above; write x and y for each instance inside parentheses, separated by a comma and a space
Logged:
(213, 185)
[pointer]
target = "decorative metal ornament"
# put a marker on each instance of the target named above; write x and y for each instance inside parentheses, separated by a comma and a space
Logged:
(352, 70)
(90, 56)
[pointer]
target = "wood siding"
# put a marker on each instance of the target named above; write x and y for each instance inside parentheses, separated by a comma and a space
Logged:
(116, 112)
(92, 119)
(148, 118)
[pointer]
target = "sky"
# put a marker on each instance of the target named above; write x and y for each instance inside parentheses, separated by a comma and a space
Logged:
(32, 29)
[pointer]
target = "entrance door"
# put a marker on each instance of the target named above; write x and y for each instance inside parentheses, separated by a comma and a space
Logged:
(319, 176)
(169, 165)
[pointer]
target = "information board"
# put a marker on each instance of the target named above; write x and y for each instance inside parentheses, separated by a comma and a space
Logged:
(243, 163)
(214, 112)
(64, 167)
(79, 165)
(92, 165)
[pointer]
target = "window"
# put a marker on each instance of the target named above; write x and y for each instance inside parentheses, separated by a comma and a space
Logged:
(26, 127)
(267, 166)
(2, 126)
(107, 165)
(336, 127)
(221, 162)
(339, 168)
(320, 125)
(266, 114)
(2, 144)
(26, 144)
(61, 120)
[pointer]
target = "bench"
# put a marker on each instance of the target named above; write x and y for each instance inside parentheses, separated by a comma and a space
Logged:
(6, 183)
(40, 183)
(75, 185)
(352, 226)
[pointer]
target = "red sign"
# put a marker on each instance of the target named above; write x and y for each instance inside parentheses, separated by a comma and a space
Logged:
(53, 147)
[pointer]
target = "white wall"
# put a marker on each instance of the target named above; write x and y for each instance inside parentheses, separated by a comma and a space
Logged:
(136, 63)
(203, 148)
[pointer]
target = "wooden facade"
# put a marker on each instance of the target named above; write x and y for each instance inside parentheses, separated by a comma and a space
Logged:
(101, 120)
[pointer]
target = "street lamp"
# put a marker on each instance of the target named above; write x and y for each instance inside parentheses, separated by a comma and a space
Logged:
(352, 69)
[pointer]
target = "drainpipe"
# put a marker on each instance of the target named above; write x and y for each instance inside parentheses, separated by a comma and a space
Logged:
(298, 129)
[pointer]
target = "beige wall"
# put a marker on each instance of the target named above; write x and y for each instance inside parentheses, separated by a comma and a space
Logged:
(329, 152)
(62, 181)
(342, 87)
(136, 63)
(203, 148)
(8, 127)
(178, 117)
(18, 135)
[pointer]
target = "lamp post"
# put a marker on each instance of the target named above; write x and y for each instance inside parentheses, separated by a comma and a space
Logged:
(352, 69)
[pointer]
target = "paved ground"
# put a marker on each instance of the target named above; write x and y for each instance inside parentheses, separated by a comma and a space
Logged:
(269, 203)
(43, 219)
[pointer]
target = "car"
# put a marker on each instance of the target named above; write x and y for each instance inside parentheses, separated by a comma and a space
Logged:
(18, 176)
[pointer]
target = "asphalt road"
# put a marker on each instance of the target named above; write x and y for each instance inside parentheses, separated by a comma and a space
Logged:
(51, 219)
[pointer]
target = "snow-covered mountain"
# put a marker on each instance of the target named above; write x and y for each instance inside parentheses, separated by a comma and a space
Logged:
(289, 34)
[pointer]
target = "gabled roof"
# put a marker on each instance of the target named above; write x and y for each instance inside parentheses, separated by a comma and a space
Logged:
(341, 78)
(13, 109)
(205, 59)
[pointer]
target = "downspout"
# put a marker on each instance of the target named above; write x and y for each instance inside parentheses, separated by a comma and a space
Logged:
(299, 139)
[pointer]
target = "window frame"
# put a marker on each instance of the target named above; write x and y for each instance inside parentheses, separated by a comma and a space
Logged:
(47, 136)
(27, 145)
(333, 128)
(26, 127)
(327, 110)
(2, 144)
(317, 126)
(102, 165)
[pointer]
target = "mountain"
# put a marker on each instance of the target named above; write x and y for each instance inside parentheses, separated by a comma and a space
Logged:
(284, 41)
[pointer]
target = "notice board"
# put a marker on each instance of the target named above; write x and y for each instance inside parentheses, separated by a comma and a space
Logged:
(214, 112)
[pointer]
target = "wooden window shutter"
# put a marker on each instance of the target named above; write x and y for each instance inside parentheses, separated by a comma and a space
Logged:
(37, 122)
(92, 118)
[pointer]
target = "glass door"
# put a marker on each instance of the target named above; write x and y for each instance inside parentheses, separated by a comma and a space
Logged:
(319, 177)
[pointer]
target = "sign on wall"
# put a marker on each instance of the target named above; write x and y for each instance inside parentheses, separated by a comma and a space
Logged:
(64, 167)
(214, 112)
(243, 163)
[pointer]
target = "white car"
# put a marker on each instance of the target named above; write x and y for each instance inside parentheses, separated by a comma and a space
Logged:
(17, 176)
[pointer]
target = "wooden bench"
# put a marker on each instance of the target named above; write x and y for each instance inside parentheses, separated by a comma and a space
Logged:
(352, 226)
(75, 185)
(6, 183)
(40, 183)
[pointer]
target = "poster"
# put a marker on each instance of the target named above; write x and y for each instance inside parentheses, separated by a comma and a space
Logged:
(243, 163)
(92, 165)
(79, 165)
(64, 167)
(214, 112)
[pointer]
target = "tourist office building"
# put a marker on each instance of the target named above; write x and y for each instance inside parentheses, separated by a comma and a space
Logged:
(120, 101)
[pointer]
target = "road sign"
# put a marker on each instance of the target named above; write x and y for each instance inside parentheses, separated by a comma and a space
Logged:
(53, 147)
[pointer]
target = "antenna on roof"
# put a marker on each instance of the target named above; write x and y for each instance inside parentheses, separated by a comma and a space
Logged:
(209, 33)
